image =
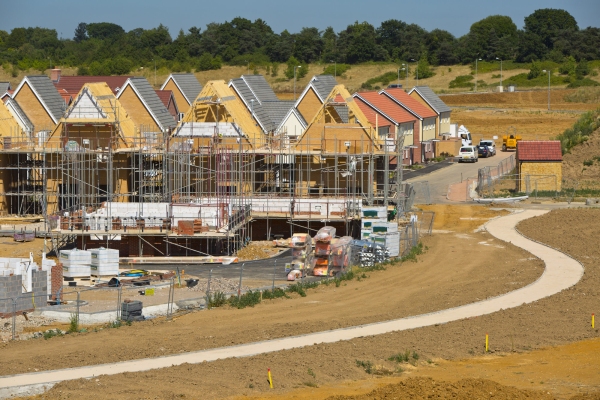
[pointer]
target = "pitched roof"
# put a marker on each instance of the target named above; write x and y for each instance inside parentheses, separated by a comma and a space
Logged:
(46, 93)
(187, 84)
(4, 86)
(20, 115)
(164, 96)
(409, 104)
(73, 84)
(384, 105)
(543, 150)
(431, 98)
(151, 101)
(323, 85)
(261, 100)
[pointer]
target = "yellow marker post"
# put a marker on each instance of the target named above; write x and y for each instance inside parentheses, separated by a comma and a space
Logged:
(270, 378)
(487, 342)
(592, 320)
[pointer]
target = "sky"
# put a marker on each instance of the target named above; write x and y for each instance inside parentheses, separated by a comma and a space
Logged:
(454, 16)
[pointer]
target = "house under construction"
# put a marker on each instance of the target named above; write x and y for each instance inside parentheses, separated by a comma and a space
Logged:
(208, 186)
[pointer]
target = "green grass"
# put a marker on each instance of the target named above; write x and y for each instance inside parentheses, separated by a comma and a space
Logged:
(521, 80)
(73, 323)
(585, 82)
(52, 333)
(366, 365)
(216, 299)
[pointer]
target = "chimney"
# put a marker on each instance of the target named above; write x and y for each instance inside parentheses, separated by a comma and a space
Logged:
(55, 75)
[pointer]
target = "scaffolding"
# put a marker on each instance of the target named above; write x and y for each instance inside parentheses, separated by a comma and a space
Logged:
(240, 188)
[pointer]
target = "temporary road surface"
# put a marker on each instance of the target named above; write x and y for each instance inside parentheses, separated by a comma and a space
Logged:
(561, 272)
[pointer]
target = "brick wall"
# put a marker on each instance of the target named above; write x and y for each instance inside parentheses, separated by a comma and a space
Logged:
(56, 280)
(10, 288)
(541, 172)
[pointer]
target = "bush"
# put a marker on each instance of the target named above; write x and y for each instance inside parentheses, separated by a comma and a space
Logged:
(216, 299)
(248, 299)
(73, 323)
(580, 131)
(462, 81)
(300, 72)
(384, 79)
(333, 69)
(585, 82)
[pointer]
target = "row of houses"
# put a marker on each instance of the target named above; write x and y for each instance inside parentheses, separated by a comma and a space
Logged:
(119, 163)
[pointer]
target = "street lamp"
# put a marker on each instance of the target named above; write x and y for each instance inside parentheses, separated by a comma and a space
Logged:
(548, 71)
(299, 66)
(502, 87)
(334, 68)
(417, 69)
(405, 68)
(476, 73)
(154, 72)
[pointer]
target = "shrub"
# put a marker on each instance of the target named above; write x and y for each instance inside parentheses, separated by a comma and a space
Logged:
(73, 323)
(216, 299)
(462, 81)
(588, 163)
(248, 299)
(580, 131)
(384, 79)
(582, 83)
(51, 333)
(274, 294)
(366, 365)
(336, 69)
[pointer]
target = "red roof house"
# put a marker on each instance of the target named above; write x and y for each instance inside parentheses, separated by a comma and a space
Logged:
(539, 150)
(168, 99)
(74, 84)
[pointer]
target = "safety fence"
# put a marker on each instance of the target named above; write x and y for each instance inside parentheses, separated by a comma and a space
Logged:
(488, 177)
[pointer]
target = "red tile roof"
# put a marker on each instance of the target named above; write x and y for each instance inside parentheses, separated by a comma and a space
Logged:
(73, 84)
(412, 104)
(385, 105)
(67, 97)
(542, 150)
(164, 96)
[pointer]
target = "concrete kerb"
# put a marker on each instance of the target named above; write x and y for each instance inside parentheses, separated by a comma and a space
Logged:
(561, 272)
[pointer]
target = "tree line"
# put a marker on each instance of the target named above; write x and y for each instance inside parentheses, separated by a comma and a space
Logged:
(107, 49)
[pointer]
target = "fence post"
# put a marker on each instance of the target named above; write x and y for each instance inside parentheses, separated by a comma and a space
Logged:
(119, 289)
(240, 284)
(78, 308)
(208, 288)
(274, 272)
(14, 318)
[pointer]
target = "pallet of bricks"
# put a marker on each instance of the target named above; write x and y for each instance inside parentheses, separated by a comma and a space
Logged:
(302, 256)
(105, 262)
(376, 228)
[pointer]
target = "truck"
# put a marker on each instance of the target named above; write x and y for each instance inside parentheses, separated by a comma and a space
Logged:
(509, 142)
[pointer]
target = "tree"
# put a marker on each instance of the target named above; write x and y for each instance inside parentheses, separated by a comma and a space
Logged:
(294, 63)
(534, 70)
(104, 31)
(308, 45)
(494, 36)
(548, 24)
(80, 32)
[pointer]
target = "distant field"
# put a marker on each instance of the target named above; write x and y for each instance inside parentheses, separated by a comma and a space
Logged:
(352, 79)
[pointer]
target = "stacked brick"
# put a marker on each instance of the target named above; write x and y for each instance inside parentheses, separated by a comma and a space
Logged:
(56, 279)
(11, 289)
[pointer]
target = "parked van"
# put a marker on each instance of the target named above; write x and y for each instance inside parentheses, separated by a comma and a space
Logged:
(468, 153)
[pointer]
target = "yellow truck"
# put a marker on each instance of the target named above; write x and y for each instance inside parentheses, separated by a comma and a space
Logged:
(509, 142)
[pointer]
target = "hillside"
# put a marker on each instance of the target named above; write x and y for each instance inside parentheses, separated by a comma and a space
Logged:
(582, 163)
(352, 79)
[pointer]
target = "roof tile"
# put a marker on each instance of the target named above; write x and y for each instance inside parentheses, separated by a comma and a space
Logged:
(546, 150)
(401, 97)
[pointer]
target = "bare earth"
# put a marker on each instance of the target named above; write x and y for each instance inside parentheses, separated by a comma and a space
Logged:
(447, 353)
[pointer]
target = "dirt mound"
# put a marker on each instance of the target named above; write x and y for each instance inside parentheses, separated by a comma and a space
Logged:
(587, 152)
(426, 388)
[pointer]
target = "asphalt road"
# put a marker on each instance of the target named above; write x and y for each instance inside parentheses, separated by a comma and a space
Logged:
(262, 269)
(440, 179)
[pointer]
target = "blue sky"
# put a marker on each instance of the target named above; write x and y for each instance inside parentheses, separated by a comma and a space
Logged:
(454, 16)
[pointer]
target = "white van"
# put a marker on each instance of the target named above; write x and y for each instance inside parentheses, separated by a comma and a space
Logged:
(468, 153)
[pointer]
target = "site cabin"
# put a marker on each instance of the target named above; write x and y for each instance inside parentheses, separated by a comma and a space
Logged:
(539, 165)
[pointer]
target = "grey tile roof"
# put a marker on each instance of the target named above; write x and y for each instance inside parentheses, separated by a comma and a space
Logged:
(189, 86)
(12, 103)
(260, 99)
(434, 101)
(162, 116)
(342, 112)
(323, 84)
(4, 86)
(48, 95)
(260, 88)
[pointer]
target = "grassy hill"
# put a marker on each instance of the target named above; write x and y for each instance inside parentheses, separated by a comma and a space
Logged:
(488, 76)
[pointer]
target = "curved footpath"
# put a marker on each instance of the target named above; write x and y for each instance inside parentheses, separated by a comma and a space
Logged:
(561, 272)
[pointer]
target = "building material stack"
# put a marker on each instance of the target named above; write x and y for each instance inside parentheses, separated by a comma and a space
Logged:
(323, 250)
(376, 228)
(131, 310)
(76, 263)
(105, 262)
(302, 255)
